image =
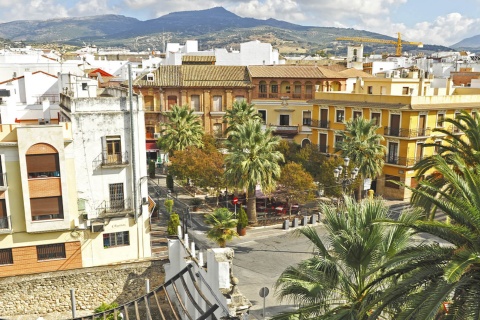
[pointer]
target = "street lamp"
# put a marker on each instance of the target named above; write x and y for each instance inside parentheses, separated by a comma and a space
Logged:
(348, 177)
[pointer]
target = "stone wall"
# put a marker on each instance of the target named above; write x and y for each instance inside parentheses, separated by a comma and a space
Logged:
(44, 293)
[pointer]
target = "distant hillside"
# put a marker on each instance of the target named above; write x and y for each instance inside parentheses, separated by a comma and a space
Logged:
(214, 28)
(471, 44)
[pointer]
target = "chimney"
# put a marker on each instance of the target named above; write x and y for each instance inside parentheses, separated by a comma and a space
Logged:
(449, 86)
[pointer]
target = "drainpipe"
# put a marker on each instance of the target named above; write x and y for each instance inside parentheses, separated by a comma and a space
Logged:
(134, 167)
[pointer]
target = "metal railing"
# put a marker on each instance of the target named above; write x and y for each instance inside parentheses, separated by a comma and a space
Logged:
(284, 129)
(401, 161)
(115, 159)
(273, 95)
(324, 124)
(407, 133)
(114, 206)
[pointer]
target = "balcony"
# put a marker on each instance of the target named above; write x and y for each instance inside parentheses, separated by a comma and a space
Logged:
(273, 95)
(296, 95)
(321, 148)
(400, 161)
(5, 224)
(262, 95)
(324, 124)
(3, 181)
(116, 208)
(284, 131)
(111, 160)
(407, 133)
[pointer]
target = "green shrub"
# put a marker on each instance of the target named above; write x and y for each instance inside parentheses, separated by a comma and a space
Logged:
(242, 219)
(168, 203)
(173, 224)
(151, 169)
(170, 182)
(196, 202)
(104, 307)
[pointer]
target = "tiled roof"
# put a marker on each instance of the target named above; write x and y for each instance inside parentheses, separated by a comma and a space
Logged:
(352, 72)
(359, 104)
(289, 71)
(193, 58)
(197, 76)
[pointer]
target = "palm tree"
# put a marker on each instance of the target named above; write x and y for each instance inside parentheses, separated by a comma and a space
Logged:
(240, 113)
(360, 142)
(466, 145)
(252, 160)
(432, 274)
(223, 226)
(183, 129)
(340, 280)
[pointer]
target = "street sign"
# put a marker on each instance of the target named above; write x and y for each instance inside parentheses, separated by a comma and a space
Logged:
(367, 183)
(264, 292)
(235, 200)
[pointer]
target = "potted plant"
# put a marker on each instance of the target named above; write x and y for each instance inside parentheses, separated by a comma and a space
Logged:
(223, 225)
(173, 223)
(196, 203)
(242, 222)
(168, 203)
(151, 169)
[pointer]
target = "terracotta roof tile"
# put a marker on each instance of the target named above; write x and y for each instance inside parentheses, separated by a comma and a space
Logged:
(289, 71)
(193, 58)
(352, 72)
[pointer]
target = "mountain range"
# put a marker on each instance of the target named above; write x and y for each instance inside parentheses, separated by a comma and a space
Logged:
(215, 27)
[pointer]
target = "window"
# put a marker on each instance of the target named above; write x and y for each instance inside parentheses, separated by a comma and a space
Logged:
(116, 239)
(6, 256)
(51, 252)
(284, 120)
(150, 77)
(307, 118)
(287, 89)
(117, 200)
(262, 87)
(370, 90)
(357, 114)
(338, 139)
(474, 114)
(405, 90)
(47, 208)
(263, 115)
(42, 165)
(436, 148)
(274, 88)
(390, 181)
(440, 120)
(3, 215)
(239, 98)
(376, 118)
(114, 150)
(217, 103)
(195, 102)
(339, 115)
(148, 103)
(84, 86)
(172, 100)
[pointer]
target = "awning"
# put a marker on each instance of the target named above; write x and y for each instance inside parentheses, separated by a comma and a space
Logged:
(151, 146)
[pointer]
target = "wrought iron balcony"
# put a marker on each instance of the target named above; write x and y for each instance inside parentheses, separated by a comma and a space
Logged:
(407, 133)
(115, 208)
(111, 160)
(400, 161)
(324, 124)
(284, 130)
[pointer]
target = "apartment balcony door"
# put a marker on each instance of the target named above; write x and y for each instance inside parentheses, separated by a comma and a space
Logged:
(422, 121)
(114, 150)
(392, 153)
(117, 196)
(322, 142)
(323, 118)
(394, 125)
(419, 152)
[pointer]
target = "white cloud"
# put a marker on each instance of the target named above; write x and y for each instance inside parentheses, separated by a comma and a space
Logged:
(32, 10)
(91, 7)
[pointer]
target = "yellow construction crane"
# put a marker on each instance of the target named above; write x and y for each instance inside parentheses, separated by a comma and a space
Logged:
(398, 43)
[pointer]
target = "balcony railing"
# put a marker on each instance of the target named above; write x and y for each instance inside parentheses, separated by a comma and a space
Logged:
(273, 95)
(114, 208)
(106, 160)
(284, 130)
(262, 95)
(296, 95)
(407, 133)
(324, 124)
(401, 161)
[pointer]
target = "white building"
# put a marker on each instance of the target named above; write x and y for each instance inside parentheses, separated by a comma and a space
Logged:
(110, 169)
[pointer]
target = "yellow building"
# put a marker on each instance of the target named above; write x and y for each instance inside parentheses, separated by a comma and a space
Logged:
(406, 109)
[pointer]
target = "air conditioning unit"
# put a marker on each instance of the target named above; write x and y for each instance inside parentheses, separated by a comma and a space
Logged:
(97, 227)
(157, 135)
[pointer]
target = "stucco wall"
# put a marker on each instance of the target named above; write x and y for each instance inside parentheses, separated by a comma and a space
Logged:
(45, 293)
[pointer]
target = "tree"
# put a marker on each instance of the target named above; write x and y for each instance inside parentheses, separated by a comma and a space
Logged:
(173, 223)
(296, 184)
(241, 112)
(223, 226)
(341, 279)
(361, 143)
(432, 274)
(467, 145)
(183, 129)
(252, 160)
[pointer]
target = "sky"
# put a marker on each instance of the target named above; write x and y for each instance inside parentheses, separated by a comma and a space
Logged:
(441, 22)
